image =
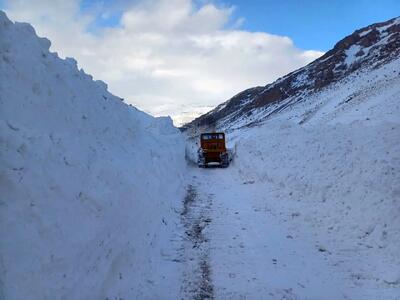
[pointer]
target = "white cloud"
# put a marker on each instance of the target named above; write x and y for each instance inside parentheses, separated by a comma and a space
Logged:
(167, 56)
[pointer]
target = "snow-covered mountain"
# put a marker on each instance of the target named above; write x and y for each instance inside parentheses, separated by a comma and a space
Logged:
(366, 49)
(89, 186)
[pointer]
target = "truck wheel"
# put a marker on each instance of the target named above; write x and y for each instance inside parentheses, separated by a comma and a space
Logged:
(224, 160)
(201, 161)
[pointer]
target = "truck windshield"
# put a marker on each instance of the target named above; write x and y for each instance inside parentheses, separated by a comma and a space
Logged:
(217, 136)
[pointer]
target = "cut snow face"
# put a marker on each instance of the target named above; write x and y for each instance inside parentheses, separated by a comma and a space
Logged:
(89, 186)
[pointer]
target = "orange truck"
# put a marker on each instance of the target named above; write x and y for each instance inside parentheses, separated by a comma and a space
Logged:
(212, 150)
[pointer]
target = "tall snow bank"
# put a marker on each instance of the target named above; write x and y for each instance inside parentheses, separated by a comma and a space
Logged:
(335, 176)
(89, 186)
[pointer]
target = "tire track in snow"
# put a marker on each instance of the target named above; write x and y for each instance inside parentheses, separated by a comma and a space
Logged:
(195, 217)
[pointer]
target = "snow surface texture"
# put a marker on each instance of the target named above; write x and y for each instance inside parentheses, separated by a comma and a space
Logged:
(89, 186)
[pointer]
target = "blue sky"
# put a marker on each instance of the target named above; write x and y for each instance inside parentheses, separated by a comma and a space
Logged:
(311, 24)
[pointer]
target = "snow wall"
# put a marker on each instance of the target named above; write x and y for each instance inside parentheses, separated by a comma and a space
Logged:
(90, 187)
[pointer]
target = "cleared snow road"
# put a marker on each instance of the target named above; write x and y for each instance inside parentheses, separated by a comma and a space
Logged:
(238, 247)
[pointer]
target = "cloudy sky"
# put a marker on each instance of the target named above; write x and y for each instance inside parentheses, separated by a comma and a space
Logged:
(183, 57)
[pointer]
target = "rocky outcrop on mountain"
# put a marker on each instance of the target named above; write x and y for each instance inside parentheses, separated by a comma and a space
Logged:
(369, 47)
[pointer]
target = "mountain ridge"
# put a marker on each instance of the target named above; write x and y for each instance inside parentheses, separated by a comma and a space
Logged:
(368, 47)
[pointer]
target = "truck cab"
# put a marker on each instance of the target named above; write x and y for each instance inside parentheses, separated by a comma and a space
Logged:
(212, 150)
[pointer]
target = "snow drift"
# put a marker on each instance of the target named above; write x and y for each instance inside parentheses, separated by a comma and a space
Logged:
(89, 185)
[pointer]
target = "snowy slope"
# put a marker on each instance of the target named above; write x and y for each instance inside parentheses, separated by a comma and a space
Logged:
(89, 186)
(365, 49)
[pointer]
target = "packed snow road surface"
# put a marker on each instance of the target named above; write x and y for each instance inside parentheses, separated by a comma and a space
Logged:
(240, 245)
(251, 255)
